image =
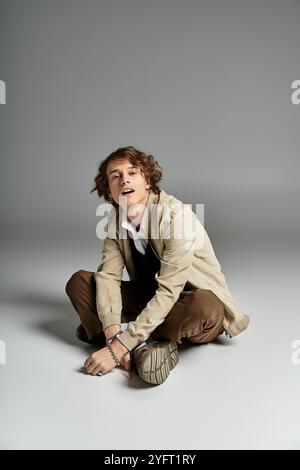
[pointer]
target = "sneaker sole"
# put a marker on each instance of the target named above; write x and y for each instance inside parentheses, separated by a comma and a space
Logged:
(174, 354)
(158, 363)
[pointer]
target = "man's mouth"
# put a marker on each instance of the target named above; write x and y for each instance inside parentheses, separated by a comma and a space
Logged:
(127, 191)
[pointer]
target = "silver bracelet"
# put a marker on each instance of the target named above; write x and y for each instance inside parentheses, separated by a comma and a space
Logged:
(110, 340)
(113, 354)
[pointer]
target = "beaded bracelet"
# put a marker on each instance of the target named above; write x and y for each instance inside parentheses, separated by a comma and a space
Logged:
(113, 354)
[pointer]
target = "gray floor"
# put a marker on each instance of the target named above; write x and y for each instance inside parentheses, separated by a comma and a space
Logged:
(233, 394)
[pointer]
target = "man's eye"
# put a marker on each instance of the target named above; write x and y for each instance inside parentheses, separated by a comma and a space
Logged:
(115, 176)
(133, 172)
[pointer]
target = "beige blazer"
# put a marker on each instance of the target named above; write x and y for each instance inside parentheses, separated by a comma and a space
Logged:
(186, 255)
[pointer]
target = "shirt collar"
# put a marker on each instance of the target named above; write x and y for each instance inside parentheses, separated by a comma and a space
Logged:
(145, 220)
(142, 233)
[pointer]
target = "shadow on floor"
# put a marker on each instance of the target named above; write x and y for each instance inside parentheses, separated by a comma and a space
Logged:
(63, 325)
(221, 340)
(63, 320)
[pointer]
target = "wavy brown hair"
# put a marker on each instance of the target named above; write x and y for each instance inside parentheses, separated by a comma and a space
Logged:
(148, 166)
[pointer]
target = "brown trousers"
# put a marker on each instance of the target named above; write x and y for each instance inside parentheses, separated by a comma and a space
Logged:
(197, 316)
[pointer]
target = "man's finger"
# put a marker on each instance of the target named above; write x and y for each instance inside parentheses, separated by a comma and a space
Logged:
(87, 362)
(91, 366)
(96, 370)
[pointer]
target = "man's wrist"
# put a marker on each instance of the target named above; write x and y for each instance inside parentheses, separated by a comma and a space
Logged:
(120, 349)
(112, 330)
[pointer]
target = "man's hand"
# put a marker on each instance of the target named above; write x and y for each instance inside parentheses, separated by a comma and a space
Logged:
(109, 332)
(102, 360)
(125, 361)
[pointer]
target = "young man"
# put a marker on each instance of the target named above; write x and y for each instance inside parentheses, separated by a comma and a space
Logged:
(176, 289)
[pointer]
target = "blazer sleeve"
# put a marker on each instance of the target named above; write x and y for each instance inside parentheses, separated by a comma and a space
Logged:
(176, 261)
(108, 284)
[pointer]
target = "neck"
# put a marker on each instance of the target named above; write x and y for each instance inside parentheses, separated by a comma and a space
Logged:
(136, 216)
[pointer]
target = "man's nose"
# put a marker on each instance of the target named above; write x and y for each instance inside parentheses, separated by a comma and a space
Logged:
(124, 179)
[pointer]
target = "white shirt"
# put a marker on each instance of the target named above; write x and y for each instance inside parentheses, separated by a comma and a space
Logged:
(140, 238)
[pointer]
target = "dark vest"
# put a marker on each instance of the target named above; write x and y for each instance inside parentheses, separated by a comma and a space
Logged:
(146, 266)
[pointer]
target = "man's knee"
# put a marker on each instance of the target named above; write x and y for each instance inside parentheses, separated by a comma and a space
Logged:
(206, 304)
(206, 317)
(76, 278)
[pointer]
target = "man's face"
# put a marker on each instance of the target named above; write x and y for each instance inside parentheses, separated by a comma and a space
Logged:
(127, 185)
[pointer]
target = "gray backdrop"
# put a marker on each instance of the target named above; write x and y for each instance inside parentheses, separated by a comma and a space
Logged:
(205, 86)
